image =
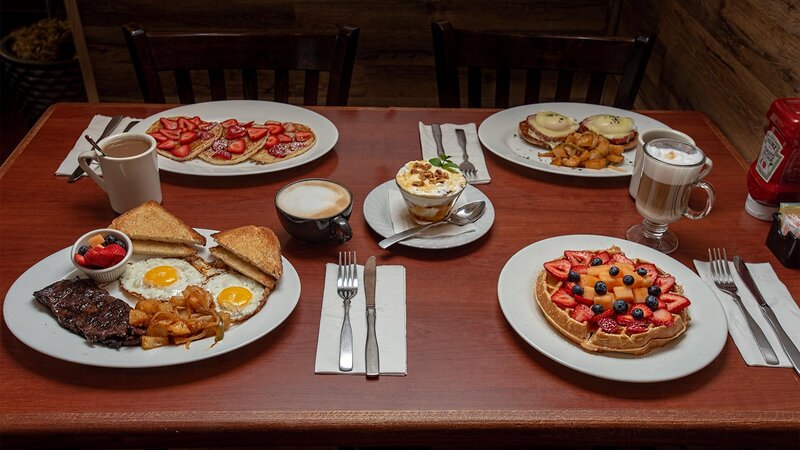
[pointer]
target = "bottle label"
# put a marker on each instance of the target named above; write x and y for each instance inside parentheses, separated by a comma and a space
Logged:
(770, 157)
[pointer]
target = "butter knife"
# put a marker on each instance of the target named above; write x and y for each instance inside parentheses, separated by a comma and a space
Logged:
(112, 124)
(437, 136)
(786, 342)
(373, 361)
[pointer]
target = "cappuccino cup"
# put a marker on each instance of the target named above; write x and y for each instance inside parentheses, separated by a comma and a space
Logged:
(129, 170)
(315, 210)
(670, 170)
(647, 136)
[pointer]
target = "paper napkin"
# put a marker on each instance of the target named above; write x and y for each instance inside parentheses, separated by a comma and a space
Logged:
(402, 220)
(777, 296)
(390, 322)
(453, 149)
(94, 130)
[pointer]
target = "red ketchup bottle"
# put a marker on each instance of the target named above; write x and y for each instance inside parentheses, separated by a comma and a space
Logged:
(775, 176)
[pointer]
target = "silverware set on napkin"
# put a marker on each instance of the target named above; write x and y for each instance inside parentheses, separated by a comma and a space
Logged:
(347, 288)
(721, 275)
(466, 167)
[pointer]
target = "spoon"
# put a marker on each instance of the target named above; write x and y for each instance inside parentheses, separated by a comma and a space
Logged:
(94, 144)
(464, 215)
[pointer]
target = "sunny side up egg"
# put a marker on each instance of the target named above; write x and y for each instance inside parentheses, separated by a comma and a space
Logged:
(160, 278)
(236, 294)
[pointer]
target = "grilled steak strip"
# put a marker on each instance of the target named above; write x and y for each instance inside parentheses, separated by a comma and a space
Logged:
(83, 308)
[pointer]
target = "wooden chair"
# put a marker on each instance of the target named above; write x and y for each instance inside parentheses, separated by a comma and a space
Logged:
(567, 55)
(248, 52)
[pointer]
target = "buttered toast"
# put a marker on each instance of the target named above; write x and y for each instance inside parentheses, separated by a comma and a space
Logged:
(251, 250)
(154, 231)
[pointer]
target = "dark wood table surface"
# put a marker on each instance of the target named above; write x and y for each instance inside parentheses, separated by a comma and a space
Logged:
(471, 378)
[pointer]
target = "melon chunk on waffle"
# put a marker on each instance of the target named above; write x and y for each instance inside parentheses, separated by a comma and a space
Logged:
(606, 302)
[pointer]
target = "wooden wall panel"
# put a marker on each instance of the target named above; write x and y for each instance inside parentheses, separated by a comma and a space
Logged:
(729, 59)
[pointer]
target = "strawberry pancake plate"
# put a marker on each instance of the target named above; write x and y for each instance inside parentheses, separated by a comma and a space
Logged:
(245, 112)
(697, 347)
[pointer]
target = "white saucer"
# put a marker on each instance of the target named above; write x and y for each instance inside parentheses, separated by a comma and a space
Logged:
(376, 211)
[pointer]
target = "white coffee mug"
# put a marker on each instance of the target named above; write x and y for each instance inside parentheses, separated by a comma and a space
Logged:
(647, 136)
(129, 170)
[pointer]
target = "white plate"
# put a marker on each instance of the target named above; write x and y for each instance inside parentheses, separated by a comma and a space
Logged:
(500, 134)
(376, 211)
(245, 111)
(34, 325)
(697, 347)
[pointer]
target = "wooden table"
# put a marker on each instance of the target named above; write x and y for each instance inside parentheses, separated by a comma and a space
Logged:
(471, 378)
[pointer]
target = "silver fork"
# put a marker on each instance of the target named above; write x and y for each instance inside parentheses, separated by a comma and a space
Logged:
(721, 274)
(346, 287)
(466, 167)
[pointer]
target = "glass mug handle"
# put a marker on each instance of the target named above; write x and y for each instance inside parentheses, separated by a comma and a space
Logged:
(699, 214)
(707, 168)
(341, 231)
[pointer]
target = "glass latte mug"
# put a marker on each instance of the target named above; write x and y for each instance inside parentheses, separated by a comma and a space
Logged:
(671, 170)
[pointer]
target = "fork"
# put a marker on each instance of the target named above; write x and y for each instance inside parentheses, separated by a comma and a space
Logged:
(466, 167)
(346, 287)
(721, 274)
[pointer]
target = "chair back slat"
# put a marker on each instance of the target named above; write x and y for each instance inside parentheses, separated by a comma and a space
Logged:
(282, 86)
(564, 85)
(250, 84)
(597, 83)
(216, 82)
(502, 87)
(474, 80)
(533, 81)
(624, 58)
(311, 85)
(183, 81)
(246, 52)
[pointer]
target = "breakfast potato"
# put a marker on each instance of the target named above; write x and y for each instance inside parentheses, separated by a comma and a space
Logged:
(587, 149)
(139, 318)
(149, 342)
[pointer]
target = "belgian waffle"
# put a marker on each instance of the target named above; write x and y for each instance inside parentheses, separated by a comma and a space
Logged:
(610, 329)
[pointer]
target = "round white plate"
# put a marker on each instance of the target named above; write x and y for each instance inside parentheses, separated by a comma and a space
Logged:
(376, 211)
(34, 325)
(697, 347)
(245, 111)
(500, 134)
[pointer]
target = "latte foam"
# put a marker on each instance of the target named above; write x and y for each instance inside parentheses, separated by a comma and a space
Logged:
(313, 199)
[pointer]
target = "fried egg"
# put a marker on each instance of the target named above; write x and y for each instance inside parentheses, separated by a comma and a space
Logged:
(160, 278)
(235, 294)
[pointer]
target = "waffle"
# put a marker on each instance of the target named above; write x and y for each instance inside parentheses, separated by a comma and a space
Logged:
(610, 330)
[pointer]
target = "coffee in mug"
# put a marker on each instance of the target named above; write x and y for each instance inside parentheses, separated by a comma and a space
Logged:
(315, 210)
(670, 170)
(129, 170)
(647, 136)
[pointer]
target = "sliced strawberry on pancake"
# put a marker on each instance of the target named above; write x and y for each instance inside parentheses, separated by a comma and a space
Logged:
(181, 138)
(236, 143)
(285, 140)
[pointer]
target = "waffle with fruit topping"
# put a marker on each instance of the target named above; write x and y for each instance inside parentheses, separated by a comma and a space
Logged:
(604, 301)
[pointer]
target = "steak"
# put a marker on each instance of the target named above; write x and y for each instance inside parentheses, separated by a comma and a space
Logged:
(85, 309)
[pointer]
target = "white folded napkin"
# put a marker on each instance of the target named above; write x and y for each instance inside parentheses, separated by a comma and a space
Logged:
(402, 220)
(453, 149)
(94, 130)
(390, 322)
(778, 298)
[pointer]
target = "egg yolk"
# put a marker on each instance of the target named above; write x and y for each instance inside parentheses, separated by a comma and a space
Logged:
(161, 276)
(234, 296)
